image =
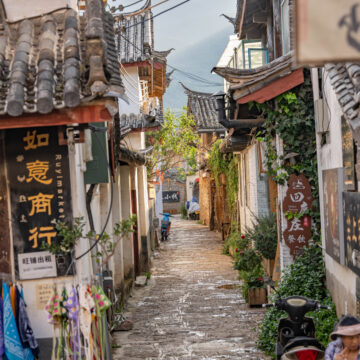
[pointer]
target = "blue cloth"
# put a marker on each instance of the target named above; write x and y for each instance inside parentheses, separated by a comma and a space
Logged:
(26, 333)
(13, 347)
(2, 345)
(335, 347)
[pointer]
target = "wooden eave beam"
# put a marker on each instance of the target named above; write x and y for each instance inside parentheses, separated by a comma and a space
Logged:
(79, 115)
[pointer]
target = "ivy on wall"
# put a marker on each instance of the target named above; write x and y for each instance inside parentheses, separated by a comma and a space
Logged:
(226, 164)
(291, 116)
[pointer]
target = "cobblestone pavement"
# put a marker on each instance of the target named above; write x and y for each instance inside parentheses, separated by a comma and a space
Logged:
(192, 307)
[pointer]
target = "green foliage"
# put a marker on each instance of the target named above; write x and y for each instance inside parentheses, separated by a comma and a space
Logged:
(70, 234)
(305, 277)
(183, 212)
(236, 240)
(291, 117)
(247, 260)
(249, 264)
(175, 144)
(264, 235)
(218, 162)
(226, 164)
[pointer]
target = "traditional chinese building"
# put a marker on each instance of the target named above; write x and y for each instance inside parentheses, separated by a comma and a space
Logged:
(60, 151)
(337, 119)
(143, 71)
(257, 69)
(214, 211)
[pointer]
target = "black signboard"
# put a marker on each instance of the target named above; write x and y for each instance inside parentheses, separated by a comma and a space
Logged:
(38, 172)
(171, 196)
(351, 201)
(348, 155)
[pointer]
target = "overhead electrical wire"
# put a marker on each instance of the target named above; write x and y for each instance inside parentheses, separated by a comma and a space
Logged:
(153, 16)
(193, 77)
(134, 3)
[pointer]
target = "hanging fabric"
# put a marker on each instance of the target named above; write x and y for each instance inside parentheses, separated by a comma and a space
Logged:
(24, 327)
(2, 344)
(86, 317)
(73, 308)
(13, 347)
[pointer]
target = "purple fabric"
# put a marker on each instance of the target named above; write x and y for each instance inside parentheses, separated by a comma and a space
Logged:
(73, 308)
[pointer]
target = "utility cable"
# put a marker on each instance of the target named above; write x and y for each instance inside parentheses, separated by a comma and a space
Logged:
(188, 74)
(146, 9)
(134, 3)
(96, 129)
(153, 16)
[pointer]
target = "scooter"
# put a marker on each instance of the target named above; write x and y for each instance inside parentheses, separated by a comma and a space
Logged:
(296, 333)
(165, 226)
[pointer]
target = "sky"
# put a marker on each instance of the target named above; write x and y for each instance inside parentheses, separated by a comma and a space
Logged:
(199, 35)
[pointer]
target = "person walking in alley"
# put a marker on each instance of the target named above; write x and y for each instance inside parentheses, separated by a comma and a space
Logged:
(346, 340)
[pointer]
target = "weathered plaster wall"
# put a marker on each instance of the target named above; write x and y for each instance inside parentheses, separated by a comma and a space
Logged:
(340, 280)
(205, 199)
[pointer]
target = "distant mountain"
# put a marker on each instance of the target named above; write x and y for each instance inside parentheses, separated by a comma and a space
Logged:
(197, 59)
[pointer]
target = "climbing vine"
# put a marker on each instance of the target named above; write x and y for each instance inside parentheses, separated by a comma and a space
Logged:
(226, 164)
(291, 116)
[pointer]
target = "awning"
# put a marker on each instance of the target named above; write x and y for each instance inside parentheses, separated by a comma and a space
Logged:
(272, 90)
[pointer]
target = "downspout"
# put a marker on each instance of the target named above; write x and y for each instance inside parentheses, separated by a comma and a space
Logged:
(233, 124)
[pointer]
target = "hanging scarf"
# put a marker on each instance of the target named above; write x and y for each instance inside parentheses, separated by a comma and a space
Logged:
(86, 317)
(13, 347)
(53, 309)
(2, 345)
(102, 303)
(24, 327)
(73, 308)
(62, 348)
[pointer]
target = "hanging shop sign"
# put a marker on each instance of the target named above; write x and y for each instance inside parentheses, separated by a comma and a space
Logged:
(39, 178)
(351, 206)
(330, 38)
(171, 196)
(333, 218)
(298, 199)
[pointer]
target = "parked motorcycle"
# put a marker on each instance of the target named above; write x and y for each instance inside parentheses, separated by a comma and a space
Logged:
(296, 333)
(165, 226)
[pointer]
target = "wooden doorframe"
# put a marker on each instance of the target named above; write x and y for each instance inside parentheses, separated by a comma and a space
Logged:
(134, 211)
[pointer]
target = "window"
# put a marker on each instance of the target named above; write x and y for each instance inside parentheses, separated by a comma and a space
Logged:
(285, 26)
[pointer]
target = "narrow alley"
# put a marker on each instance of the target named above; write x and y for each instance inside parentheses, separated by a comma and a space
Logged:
(192, 307)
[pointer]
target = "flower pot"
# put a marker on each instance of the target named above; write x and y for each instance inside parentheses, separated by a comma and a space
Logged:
(257, 296)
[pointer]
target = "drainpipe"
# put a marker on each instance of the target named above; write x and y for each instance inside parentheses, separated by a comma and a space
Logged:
(235, 124)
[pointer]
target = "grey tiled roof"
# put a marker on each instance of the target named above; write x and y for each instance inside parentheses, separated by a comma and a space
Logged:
(203, 107)
(58, 60)
(345, 80)
(135, 36)
(140, 121)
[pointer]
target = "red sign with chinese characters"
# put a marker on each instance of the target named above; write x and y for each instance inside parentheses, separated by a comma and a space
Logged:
(298, 199)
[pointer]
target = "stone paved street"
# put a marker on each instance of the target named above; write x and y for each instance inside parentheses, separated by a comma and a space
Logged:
(192, 307)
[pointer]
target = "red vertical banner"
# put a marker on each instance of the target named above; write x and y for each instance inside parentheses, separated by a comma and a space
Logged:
(297, 201)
